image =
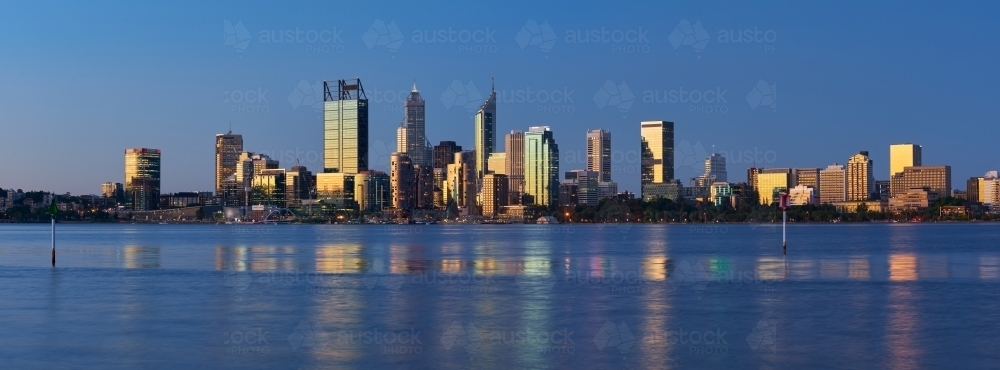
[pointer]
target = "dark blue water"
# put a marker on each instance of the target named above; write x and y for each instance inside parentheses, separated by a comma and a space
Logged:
(500, 296)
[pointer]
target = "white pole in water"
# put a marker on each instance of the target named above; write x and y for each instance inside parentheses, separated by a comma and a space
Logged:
(784, 220)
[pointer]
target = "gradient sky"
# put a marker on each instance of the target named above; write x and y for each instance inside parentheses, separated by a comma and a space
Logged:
(80, 82)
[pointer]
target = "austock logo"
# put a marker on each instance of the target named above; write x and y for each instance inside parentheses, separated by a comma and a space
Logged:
(764, 336)
(617, 95)
(763, 94)
(320, 41)
(534, 34)
(382, 34)
(697, 37)
(462, 95)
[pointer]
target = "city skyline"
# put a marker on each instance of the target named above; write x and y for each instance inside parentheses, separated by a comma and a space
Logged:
(268, 90)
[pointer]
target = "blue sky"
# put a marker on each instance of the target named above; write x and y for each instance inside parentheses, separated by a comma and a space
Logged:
(816, 82)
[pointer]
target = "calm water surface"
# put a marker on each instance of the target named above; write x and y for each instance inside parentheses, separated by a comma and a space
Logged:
(500, 296)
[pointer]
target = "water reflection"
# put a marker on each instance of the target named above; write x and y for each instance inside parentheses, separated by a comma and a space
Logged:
(989, 267)
(902, 267)
(339, 259)
(141, 257)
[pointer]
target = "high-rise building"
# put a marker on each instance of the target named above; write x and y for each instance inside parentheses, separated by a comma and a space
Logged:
(371, 191)
(541, 167)
(671, 189)
(345, 127)
(771, 182)
(904, 155)
(411, 137)
(974, 189)
(444, 154)
(461, 181)
(247, 165)
(607, 190)
(142, 178)
(402, 184)
(298, 185)
(514, 155)
(715, 170)
(498, 163)
(599, 153)
(228, 147)
(657, 151)
(833, 184)
(113, 190)
(336, 189)
(586, 186)
(882, 190)
(485, 136)
(715, 167)
(494, 196)
(424, 182)
(806, 177)
(269, 187)
(860, 177)
(568, 194)
(752, 177)
(936, 178)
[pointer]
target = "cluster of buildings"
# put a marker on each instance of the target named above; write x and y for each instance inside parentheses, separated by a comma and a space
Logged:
(493, 182)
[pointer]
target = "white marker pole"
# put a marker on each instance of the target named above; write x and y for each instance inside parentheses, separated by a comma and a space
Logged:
(784, 220)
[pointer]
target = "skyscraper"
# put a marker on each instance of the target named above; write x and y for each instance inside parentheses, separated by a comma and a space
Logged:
(807, 177)
(424, 186)
(402, 184)
(444, 154)
(657, 154)
(498, 163)
(833, 184)
(541, 167)
(228, 147)
(514, 149)
(411, 136)
(599, 153)
(142, 178)
(657, 151)
(269, 187)
(345, 127)
(371, 191)
(485, 135)
(715, 167)
(860, 178)
(904, 155)
(461, 181)
(298, 185)
(771, 182)
(494, 196)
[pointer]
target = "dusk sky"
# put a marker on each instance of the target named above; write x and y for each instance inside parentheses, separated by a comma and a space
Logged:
(814, 84)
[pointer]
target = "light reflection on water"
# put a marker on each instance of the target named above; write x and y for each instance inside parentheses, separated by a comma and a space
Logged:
(500, 298)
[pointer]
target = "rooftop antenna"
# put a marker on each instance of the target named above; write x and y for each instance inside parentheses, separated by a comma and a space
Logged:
(493, 83)
(230, 127)
(414, 85)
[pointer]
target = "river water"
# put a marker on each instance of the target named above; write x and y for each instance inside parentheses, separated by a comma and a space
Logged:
(500, 296)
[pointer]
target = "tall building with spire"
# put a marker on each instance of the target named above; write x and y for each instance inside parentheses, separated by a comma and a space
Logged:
(345, 127)
(485, 136)
(411, 137)
(228, 147)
